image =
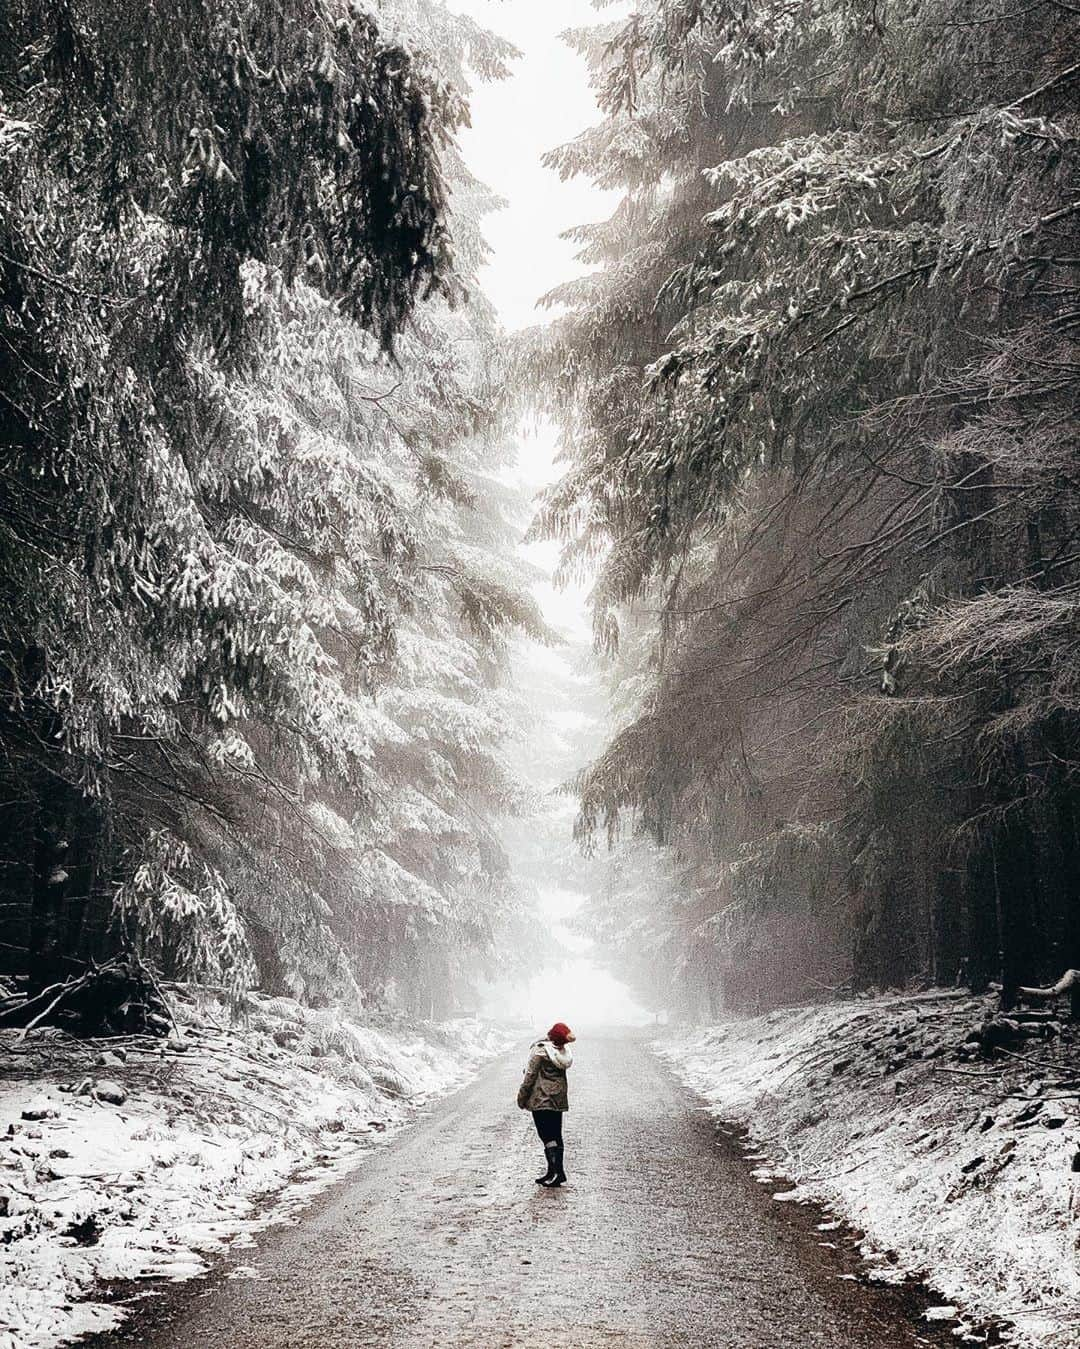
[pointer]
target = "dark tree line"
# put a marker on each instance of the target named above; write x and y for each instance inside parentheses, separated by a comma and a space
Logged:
(820, 395)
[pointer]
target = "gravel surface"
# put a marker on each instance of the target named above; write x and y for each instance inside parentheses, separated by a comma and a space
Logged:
(442, 1239)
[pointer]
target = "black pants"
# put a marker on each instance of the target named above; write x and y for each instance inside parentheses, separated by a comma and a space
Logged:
(548, 1125)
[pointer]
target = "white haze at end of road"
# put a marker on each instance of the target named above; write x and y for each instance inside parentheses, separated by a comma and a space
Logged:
(545, 102)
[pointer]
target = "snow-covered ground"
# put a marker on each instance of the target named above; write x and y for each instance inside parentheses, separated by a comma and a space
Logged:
(961, 1170)
(219, 1134)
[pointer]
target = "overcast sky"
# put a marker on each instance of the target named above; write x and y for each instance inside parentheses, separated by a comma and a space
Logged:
(545, 102)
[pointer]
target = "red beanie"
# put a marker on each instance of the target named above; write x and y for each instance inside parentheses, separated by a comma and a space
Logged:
(559, 1033)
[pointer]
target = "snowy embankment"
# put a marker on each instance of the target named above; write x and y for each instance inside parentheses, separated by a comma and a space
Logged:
(960, 1166)
(131, 1159)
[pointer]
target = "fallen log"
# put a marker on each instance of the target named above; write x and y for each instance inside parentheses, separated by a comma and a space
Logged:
(120, 997)
(1069, 980)
(1068, 983)
(997, 1031)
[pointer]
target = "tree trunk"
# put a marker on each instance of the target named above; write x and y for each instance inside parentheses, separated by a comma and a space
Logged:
(1006, 969)
(52, 847)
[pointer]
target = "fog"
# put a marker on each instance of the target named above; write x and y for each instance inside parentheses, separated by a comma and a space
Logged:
(514, 122)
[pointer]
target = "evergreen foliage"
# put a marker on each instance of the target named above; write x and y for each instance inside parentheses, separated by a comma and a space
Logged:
(253, 576)
(820, 401)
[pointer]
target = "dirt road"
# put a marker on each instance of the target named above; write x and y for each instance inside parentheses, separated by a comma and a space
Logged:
(442, 1239)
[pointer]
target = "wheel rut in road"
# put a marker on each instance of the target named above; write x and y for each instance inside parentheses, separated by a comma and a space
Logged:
(662, 1238)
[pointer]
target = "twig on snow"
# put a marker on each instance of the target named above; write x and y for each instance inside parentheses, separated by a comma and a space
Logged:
(67, 988)
(1038, 1063)
(967, 1072)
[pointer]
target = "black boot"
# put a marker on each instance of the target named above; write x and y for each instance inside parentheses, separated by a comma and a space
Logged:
(552, 1170)
(559, 1177)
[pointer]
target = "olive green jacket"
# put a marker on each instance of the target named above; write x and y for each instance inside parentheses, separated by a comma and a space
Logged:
(544, 1085)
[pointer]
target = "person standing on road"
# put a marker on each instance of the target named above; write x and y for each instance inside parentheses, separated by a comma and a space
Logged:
(543, 1091)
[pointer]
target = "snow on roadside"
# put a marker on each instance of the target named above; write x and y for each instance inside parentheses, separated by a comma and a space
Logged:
(212, 1124)
(961, 1174)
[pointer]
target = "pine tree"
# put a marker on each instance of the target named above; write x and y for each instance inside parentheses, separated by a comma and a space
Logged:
(253, 569)
(817, 394)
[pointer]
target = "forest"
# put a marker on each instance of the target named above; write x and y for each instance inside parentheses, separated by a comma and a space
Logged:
(257, 564)
(819, 391)
(263, 610)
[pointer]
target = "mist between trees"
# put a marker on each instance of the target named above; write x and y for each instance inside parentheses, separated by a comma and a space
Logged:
(258, 555)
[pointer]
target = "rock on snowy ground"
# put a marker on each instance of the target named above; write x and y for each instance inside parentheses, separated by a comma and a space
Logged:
(961, 1166)
(127, 1159)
